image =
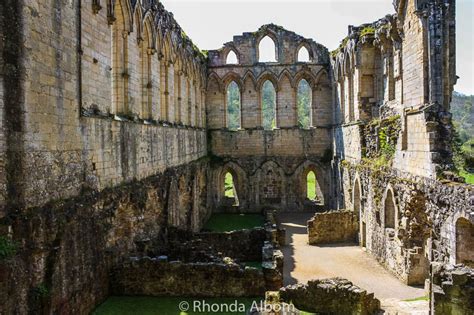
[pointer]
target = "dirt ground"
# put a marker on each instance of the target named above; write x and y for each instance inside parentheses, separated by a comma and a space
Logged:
(304, 262)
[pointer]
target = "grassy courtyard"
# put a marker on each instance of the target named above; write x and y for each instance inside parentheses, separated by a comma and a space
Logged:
(226, 222)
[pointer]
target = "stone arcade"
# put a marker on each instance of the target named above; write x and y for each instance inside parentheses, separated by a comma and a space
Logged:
(116, 130)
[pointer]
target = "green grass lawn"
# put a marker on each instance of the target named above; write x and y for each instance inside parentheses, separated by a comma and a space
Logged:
(226, 222)
(126, 305)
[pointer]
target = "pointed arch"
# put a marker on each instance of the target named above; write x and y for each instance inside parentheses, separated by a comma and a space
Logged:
(306, 75)
(146, 53)
(285, 74)
(390, 208)
(151, 33)
(304, 48)
(267, 48)
(214, 78)
(267, 76)
(251, 77)
(232, 76)
(320, 184)
(124, 13)
(232, 57)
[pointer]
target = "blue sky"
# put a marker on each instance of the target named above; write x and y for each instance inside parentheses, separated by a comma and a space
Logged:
(210, 23)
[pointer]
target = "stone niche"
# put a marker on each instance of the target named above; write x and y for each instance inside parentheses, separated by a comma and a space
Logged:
(333, 227)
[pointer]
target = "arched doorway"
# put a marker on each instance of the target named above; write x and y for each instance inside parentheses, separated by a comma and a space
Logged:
(230, 191)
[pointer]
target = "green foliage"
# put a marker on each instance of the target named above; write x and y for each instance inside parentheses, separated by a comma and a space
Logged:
(233, 106)
(368, 30)
(125, 305)
(8, 248)
(229, 185)
(463, 136)
(268, 106)
(226, 222)
(341, 47)
(304, 104)
(387, 148)
(311, 186)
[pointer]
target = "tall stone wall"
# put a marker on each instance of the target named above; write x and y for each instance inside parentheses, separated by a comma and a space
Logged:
(407, 221)
(101, 133)
(269, 165)
(401, 65)
(66, 249)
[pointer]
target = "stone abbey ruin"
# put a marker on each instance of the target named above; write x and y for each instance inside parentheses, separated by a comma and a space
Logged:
(118, 134)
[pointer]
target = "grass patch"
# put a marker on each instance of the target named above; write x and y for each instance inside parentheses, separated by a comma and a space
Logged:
(311, 186)
(229, 185)
(468, 177)
(226, 222)
(421, 298)
(125, 305)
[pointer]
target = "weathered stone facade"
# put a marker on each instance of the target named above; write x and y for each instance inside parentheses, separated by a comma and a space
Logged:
(115, 130)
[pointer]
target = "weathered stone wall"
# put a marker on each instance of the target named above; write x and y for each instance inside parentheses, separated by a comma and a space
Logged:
(271, 183)
(151, 277)
(256, 154)
(333, 227)
(91, 164)
(406, 221)
(244, 245)
(330, 296)
(65, 249)
(399, 65)
(79, 132)
(451, 290)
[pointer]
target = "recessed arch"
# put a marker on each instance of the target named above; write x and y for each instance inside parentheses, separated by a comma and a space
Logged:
(318, 185)
(390, 209)
(267, 49)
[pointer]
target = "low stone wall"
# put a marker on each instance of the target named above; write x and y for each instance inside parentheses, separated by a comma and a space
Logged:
(330, 296)
(333, 227)
(452, 290)
(244, 245)
(152, 277)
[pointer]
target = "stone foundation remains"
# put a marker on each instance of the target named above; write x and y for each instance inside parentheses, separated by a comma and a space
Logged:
(451, 290)
(333, 227)
(330, 296)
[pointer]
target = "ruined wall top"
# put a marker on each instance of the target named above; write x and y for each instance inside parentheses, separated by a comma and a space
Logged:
(287, 44)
